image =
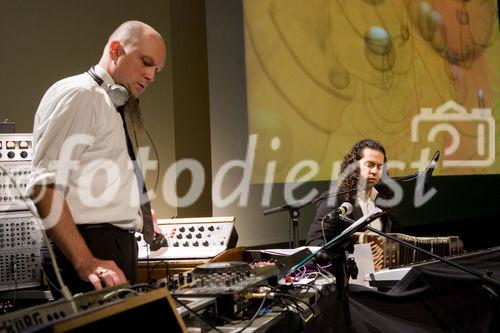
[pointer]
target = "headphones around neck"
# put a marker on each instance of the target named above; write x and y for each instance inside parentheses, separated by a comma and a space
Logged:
(118, 93)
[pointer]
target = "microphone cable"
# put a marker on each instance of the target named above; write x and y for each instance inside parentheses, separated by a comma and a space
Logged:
(157, 177)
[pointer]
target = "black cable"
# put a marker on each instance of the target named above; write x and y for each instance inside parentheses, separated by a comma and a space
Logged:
(167, 269)
(56, 287)
(155, 187)
(148, 267)
(298, 300)
(293, 301)
(293, 304)
(157, 178)
(255, 315)
(140, 285)
(305, 288)
(318, 291)
(157, 181)
(238, 312)
(14, 275)
(196, 314)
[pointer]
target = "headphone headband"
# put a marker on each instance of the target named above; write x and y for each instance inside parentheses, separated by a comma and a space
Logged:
(118, 93)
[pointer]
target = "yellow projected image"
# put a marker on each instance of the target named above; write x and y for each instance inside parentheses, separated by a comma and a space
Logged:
(418, 76)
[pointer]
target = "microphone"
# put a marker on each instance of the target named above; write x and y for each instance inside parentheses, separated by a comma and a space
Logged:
(424, 178)
(344, 209)
(432, 165)
(159, 242)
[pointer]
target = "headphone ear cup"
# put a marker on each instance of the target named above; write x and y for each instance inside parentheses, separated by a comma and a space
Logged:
(118, 94)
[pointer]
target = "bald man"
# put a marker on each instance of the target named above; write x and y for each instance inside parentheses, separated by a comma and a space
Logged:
(83, 181)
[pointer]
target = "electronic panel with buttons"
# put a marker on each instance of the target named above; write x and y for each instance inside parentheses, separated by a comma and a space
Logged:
(16, 152)
(20, 236)
(20, 246)
(192, 238)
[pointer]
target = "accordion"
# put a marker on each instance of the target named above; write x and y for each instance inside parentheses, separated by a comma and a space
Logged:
(388, 253)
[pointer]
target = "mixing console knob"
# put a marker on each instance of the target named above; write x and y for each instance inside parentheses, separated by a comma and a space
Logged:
(198, 235)
(191, 229)
(211, 228)
(196, 244)
(179, 236)
(201, 228)
(189, 236)
(189, 278)
(205, 243)
(10, 154)
(176, 244)
(24, 154)
(182, 229)
(185, 244)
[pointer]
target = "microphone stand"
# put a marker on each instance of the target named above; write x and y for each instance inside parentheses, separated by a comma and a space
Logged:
(293, 220)
(484, 277)
(336, 247)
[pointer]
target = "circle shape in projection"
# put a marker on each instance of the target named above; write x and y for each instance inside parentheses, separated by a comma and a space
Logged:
(378, 49)
(425, 24)
(339, 78)
(378, 41)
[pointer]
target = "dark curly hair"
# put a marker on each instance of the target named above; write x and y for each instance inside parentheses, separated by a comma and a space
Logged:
(356, 152)
(350, 171)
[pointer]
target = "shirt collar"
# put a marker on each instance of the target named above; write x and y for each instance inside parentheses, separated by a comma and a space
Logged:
(373, 195)
(104, 75)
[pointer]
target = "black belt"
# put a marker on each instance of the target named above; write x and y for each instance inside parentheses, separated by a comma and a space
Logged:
(101, 226)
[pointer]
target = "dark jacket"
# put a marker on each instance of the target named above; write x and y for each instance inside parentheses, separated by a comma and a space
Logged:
(333, 228)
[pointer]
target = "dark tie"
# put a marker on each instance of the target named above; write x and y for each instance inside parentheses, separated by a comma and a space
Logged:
(147, 227)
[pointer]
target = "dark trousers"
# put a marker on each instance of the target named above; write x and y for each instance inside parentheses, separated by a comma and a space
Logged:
(106, 242)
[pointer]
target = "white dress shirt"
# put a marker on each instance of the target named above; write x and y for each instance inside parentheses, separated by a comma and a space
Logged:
(367, 204)
(77, 119)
